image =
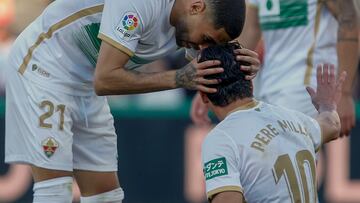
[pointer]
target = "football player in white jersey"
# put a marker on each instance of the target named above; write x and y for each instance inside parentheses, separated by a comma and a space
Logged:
(260, 152)
(298, 35)
(77, 50)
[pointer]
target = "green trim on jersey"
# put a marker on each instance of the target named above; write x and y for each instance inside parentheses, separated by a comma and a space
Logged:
(140, 61)
(88, 41)
(280, 14)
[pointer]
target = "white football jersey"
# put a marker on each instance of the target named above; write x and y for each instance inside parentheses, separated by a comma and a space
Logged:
(59, 50)
(265, 152)
(298, 35)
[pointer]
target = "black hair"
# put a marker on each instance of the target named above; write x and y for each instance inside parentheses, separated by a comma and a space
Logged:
(233, 85)
(228, 14)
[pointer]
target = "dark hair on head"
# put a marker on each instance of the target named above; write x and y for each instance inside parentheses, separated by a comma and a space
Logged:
(233, 85)
(228, 14)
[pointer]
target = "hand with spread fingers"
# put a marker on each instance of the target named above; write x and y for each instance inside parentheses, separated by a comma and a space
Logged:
(329, 88)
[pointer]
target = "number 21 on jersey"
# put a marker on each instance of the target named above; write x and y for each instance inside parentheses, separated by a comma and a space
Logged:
(50, 111)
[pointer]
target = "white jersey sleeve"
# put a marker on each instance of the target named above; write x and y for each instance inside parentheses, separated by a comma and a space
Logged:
(220, 164)
(122, 24)
(313, 129)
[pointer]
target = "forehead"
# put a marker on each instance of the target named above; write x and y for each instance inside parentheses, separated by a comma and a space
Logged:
(218, 35)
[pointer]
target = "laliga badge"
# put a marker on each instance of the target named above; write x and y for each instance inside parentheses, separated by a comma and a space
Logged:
(49, 146)
(127, 25)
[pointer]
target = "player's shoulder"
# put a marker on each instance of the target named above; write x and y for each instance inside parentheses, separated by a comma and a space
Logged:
(293, 114)
(284, 110)
(216, 136)
(140, 6)
(214, 133)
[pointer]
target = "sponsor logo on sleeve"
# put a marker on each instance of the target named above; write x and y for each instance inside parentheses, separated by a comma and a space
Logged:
(128, 25)
(215, 168)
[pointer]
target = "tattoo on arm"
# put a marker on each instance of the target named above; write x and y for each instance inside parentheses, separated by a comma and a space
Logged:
(347, 39)
(185, 77)
(344, 12)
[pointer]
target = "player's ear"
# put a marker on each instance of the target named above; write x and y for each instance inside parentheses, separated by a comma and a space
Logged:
(204, 98)
(197, 7)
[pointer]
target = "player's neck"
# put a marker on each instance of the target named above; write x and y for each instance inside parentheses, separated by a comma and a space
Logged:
(238, 105)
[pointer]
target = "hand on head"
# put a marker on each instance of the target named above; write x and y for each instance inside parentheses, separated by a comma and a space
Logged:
(250, 65)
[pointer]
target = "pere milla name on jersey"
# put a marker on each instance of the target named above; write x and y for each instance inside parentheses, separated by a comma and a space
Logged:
(266, 134)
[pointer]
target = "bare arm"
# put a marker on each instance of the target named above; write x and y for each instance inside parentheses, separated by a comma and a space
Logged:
(347, 50)
(111, 78)
(329, 122)
(325, 99)
(251, 33)
(228, 197)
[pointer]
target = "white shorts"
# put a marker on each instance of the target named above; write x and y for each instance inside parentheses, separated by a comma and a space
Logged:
(295, 98)
(53, 130)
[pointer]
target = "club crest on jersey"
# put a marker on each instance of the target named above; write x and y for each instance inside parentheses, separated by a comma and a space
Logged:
(128, 24)
(49, 146)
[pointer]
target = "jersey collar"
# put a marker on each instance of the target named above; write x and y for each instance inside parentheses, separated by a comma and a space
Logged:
(253, 103)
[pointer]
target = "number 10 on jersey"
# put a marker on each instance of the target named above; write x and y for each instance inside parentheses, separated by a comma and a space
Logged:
(299, 191)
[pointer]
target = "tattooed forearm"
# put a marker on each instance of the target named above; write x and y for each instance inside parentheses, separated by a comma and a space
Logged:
(348, 39)
(345, 13)
(185, 77)
(343, 10)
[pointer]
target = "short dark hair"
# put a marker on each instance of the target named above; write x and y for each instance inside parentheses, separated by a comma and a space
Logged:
(228, 14)
(233, 85)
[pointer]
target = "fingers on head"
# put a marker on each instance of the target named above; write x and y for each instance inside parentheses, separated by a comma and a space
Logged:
(206, 89)
(208, 64)
(247, 52)
(210, 71)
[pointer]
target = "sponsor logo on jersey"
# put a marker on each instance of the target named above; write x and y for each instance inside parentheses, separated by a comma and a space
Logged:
(215, 168)
(281, 14)
(40, 71)
(130, 21)
(269, 7)
(128, 25)
(49, 146)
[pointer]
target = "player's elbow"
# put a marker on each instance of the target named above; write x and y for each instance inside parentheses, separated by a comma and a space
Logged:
(100, 85)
